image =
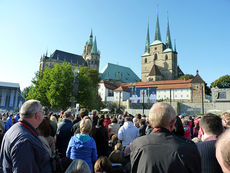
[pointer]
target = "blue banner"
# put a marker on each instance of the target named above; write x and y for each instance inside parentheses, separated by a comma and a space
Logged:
(12, 98)
(3, 99)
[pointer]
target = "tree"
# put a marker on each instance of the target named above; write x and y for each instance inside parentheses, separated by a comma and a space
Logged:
(222, 82)
(53, 87)
(186, 77)
(88, 88)
(26, 91)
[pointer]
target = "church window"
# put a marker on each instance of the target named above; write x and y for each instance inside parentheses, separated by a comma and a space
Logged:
(155, 48)
(145, 60)
(166, 57)
(155, 57)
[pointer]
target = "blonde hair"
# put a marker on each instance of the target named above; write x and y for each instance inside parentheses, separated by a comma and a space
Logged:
(85, 126)
(161, 115)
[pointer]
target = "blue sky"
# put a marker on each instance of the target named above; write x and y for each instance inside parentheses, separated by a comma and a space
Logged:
(29, 28)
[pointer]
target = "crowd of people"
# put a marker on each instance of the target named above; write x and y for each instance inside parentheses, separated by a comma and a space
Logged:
(38, 141)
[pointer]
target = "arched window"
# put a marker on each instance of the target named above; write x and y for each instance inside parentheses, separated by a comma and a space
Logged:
(166, 57)
(145, 60)
(155, 57)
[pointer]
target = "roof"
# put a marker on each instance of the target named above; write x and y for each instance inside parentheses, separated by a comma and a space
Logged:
(156, 42)
(68, 57)
(117, 72)
(9, 84)
(197, 79)
(109, 85)
(167, 50)
(164, 84)
(123, 88)
(155, 71)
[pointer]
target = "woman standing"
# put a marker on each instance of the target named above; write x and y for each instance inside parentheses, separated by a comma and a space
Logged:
(82, 145)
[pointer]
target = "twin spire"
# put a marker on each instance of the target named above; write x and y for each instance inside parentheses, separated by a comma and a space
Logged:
(158, 36)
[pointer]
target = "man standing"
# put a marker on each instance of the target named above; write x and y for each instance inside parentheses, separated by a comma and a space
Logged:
(64, 134)
(22, 151)
(128, 132)
(211, 127)
(160, 151)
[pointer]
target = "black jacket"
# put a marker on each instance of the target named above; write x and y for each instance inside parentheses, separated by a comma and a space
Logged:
(162, 152)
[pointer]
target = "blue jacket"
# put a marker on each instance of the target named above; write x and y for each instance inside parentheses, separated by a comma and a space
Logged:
(63, 135)
(82, 146)
(22, 151)
(8, 123)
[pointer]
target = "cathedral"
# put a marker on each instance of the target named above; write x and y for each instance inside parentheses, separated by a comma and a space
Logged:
(159, 61)
(90, 58)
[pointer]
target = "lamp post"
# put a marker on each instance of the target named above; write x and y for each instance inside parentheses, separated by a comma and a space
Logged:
(202, 99)
(75, 86)
(119, 100)
(143, 103)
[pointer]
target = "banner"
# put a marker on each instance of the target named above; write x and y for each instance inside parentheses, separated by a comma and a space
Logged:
(143, 94)
(12, 98)
(3, 99)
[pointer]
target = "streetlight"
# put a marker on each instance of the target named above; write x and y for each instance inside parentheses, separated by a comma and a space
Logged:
(75, 86)
(143, 106)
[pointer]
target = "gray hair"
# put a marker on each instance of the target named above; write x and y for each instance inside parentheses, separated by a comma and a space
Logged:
(161, 115)
(29, 108)
(78, 166)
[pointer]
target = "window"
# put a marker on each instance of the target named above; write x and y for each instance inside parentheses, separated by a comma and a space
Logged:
(166, 57)
(145, 60)
(155, 57)
(155, 48)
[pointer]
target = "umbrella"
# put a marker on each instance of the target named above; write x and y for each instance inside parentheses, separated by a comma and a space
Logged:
(105, 110)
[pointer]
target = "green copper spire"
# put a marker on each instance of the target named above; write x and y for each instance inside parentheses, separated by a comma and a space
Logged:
(147, 43)
(168, 38)
(157, 32)
(91, 38)
(94, 49)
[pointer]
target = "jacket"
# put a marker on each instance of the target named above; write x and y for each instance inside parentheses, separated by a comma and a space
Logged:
(162, 152)
(127, 133)
(22, 151)
(63, 135)
(82, 146)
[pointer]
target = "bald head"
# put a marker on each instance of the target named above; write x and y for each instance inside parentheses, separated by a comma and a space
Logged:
(162, 115)
(223, 151)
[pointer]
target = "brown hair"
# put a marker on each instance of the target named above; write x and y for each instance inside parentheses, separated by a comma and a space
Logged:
(115, 156)
(103, 164)
(44, 127)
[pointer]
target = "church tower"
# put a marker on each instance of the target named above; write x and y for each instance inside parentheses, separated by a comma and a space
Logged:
(91, 53)
(159, 61)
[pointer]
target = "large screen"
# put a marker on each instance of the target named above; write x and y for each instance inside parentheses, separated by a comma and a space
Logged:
(144, 94)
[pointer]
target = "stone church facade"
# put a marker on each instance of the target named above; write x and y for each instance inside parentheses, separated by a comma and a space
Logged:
(90, 58)
(159, 61)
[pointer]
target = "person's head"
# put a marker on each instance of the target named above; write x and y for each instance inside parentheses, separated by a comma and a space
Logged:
(142, 122)
(44, 127)
(68, 114)
(128, 118)
(103, 165)
(226, 119)
(94, 113)
(46, 110)
(78, 166)
(210, 125)
(223, 151)
(114, 120)
(85, 126)
(83, 112)
(100, 122)
(162, 115)
(32, 112)
(115, 156)
(136, 121)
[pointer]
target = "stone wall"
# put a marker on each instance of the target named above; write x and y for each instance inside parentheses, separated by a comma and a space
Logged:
(191, 108)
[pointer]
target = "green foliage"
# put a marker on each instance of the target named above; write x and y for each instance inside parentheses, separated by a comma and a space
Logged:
(87, 94)
(26, 91)
(222, 82)
(186, 77)
(53, 87)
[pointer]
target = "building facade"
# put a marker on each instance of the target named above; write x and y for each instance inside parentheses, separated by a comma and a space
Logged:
(10, 97)
(90, 58)
(159, 61)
